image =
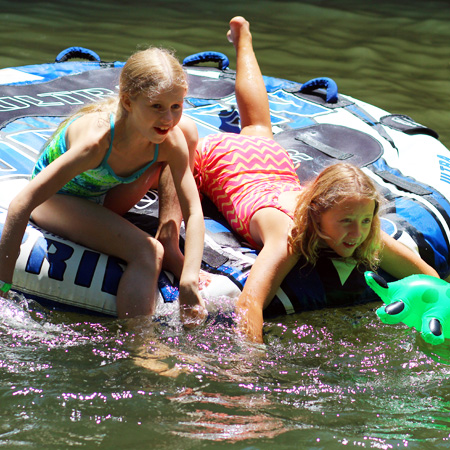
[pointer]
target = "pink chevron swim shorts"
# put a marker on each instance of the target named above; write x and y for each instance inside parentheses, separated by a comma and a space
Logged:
(242, 174)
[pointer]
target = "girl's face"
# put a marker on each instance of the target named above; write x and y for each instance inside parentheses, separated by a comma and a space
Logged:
(347, 224)
(155, 117)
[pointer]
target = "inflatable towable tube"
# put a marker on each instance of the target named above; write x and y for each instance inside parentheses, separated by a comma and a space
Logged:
(312, 121)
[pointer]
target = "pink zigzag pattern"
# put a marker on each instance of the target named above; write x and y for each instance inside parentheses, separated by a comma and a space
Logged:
(235, 170)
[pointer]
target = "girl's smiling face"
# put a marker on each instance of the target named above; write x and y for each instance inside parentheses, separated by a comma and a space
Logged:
(155, 117)
(347, 224)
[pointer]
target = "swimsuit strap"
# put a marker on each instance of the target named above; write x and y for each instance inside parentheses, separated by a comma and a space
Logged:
(156, 153)
(108, 167)
(111, 125)
(141, 171)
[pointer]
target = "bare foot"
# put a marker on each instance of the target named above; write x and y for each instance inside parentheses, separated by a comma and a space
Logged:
(239, 27)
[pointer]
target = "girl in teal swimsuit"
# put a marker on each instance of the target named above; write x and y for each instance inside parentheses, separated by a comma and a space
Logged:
(93, 184)
(120, 140)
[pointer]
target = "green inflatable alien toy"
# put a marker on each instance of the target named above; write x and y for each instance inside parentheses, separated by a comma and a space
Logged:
(419, 301)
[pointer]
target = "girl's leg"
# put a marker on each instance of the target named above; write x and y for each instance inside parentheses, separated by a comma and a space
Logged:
(99, 228)
(251, 93)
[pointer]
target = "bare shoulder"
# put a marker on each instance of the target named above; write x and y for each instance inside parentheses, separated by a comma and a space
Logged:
(90, 131)
(174, 145)
(189, 129)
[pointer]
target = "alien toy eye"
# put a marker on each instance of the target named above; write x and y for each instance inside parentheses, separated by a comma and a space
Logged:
(379, 280)
(435, 327)
(395, 308)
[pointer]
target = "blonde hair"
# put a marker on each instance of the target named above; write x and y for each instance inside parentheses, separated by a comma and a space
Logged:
(149, 72)
(334, 184)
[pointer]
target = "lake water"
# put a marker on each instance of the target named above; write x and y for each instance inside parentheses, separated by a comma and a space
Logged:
(325, 380)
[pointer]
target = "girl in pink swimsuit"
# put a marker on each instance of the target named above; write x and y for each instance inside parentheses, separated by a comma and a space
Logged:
(251, 179)
(250, 172)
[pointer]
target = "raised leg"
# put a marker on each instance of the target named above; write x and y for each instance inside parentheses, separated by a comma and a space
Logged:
(251, 93)
(269, 226)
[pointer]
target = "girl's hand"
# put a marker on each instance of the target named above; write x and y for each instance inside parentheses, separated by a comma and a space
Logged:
(192, 307)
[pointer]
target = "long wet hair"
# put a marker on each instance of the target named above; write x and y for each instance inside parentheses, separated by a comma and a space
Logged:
(334, 184)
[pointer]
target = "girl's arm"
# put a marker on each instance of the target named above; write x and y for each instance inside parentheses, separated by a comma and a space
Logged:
(170, 214)
(273, 263)
(178, 159)
(400, 261)
(37, 191)
(266, 275)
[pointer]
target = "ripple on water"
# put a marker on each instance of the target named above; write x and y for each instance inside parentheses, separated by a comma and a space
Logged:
(325, 370)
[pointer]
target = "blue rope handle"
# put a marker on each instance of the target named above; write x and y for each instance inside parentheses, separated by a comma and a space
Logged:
(325, 83)
(202, 57)
(77, 52)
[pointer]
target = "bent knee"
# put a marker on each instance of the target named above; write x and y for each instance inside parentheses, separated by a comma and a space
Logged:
(168, 234)
(148, 252)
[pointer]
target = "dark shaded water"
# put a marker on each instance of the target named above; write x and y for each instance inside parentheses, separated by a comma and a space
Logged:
(326, 380)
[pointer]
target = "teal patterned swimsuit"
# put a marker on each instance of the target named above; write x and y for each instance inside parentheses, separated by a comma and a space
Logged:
(94, 183)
